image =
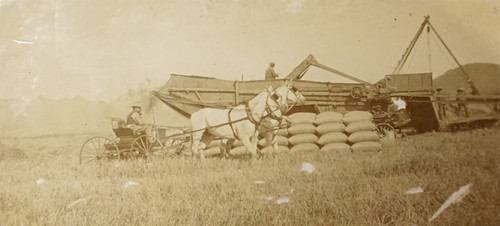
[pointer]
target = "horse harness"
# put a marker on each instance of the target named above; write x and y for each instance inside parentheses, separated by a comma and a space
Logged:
(251, 118)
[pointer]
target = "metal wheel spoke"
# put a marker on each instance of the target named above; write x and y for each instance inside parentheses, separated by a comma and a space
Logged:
(148, 146)
(143, 146)
(91, 160)
(96, 149)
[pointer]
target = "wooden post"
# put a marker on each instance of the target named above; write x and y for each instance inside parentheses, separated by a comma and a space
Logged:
(236, 95)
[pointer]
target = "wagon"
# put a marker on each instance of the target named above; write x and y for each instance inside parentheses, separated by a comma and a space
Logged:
(129, 145)
(188, 93)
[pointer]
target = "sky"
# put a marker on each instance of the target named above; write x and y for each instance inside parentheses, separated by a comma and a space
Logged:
(101, 49)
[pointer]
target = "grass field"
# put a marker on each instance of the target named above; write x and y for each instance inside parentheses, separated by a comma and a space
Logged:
(345, 188)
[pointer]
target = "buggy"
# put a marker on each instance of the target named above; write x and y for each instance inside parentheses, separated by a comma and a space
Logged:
(130, 145)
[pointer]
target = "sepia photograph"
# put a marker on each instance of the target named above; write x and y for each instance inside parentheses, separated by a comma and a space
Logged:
(249, 112)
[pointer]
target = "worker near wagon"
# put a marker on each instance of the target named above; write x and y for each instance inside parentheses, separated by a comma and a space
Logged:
(134, 121)
(461, 105)
(270, 73)
(441, 106)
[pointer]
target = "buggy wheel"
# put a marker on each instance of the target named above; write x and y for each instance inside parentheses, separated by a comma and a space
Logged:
(146, 146)
(177, 147)
(98, 148)
(386, 131)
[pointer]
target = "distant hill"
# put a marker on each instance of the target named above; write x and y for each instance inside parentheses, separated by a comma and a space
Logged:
(77, 115)
(485, 76)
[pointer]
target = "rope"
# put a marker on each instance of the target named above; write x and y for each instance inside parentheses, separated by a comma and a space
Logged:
(413, 53)
(429, 47)
(441, 50)
(202, 129)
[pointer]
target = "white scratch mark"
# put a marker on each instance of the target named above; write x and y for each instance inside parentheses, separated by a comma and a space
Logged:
(283, 200)
(40, 181)
(307, 167)
(414, 191)
(129, 183)
(75, 202)
(454, 198)
(34, 82)
(23, 42)
(259, 182)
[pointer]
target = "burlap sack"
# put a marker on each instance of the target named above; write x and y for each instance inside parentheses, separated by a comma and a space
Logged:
(280, 149)
(357, 116)
(330, 127)
(336, 147)
(302, 115)
(212, 151)
(283, 132)
(283, 141)
(239, 150)
(357, 126)
(215, 143)
(328, 117)
(352, 113)
(305, 147)
(302, 118)
(366, 146)
(363, 136)
(302, 138)
(334, 137)
(301, 129)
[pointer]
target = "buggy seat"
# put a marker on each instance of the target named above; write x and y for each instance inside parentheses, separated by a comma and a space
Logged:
(119, 128)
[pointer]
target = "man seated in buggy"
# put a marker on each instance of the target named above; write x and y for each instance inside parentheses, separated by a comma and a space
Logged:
(134, 121)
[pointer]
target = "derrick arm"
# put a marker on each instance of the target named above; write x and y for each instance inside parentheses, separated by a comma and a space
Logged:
(475, 91)
(405, 56)
(302, 68)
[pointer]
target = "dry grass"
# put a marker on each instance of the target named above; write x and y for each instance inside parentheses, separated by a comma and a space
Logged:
(345, 189)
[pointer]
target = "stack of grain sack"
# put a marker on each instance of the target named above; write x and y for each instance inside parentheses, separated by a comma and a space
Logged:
(281, 139)
(301, 132)
(330, 130)
(361, 131)
(327, 131)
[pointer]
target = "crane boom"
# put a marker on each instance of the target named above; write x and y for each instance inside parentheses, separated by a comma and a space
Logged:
(309, 61)
(405, 56)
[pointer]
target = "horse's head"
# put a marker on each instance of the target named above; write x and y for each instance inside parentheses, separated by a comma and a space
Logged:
(275, 102)
(289, 96)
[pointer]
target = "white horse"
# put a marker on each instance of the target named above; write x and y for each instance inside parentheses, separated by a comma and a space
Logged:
(288, 96)
(241, 122)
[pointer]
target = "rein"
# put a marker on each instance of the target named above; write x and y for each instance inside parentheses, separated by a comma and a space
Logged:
(257, 123)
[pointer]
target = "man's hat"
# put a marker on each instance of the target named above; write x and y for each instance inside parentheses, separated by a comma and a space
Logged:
(271, 63)
(460, 89)
(439, 89)
(135, 106)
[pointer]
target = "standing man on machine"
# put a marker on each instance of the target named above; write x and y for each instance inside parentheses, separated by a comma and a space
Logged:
(270, 74)
(441, 106)
(461, 97)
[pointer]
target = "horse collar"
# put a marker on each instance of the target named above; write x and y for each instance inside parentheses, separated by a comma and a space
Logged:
(250, 115)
